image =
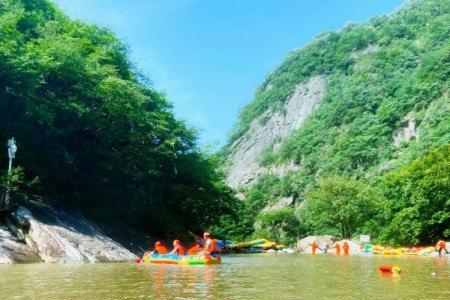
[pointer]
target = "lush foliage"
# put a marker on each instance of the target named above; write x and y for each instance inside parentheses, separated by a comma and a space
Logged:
(339, 206)
(417, 208)
(381, 77)
(98, 137)
(278, 225)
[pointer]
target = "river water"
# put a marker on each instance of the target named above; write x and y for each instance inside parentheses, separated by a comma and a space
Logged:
(258, 276)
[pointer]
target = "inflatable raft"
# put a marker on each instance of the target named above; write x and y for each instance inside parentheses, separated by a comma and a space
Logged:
(200, 259)
(174, 259)
(259, 244)
(376, 249)
(162, 259)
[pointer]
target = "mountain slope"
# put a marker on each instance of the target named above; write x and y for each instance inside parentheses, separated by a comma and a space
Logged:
(384, 102)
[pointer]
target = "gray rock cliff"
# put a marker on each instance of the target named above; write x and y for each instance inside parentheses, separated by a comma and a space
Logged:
(55, 234)
(247, 150)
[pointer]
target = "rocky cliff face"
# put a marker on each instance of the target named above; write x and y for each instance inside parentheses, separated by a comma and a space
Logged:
(42, 232)
(269, 130)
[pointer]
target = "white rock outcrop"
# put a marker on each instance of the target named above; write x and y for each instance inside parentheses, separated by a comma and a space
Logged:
(63, 236)
(13, 250)
(406, 133)
(52, 233)
(247, 150)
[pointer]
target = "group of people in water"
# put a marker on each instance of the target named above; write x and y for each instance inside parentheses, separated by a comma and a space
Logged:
(345, 247)
(207, 245)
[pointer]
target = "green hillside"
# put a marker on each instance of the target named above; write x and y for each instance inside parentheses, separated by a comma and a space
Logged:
(94, 133)
(381, 76)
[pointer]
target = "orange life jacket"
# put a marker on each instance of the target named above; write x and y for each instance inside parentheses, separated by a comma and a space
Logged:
(313, 247)
(210, 245)
(441, 245)
(179, 249)
(346, 248)
(194, 250)
(161, 249)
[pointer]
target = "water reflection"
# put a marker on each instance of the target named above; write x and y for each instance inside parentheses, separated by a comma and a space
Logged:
(168, 281)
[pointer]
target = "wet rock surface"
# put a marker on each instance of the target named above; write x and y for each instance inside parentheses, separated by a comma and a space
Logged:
(14, 250)
(55, 234)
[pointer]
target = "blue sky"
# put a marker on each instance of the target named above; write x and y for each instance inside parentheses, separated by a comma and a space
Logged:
(209, 56)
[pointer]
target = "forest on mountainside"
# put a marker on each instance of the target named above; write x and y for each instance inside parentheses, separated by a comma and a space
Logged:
(91, 131)
(352, 176)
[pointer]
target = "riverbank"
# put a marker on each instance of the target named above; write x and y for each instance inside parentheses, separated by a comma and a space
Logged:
(41, 230)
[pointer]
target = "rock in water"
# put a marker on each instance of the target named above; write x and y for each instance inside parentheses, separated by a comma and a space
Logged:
(13, 250)
(62, 236)
(304, 245)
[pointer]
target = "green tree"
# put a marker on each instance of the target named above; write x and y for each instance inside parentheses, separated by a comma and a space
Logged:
(99, 137)
(418, 200)
(280, 225)
(339, 205)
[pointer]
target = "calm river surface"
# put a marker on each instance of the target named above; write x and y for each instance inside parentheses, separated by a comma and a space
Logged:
(259, 276)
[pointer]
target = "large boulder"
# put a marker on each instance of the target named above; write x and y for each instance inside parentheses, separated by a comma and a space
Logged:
(323, 241)
(44, 231)
(63, 236)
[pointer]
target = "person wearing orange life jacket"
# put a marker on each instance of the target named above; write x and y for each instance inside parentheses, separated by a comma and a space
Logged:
(177, 248)
(338, 248)
(313, 247)
(346, 248)
(194, 249)
(441, 245)
(160, 248)
(210, 244)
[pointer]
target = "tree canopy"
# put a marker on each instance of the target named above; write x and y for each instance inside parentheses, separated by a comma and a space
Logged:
(339, 206)
(99, 138)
